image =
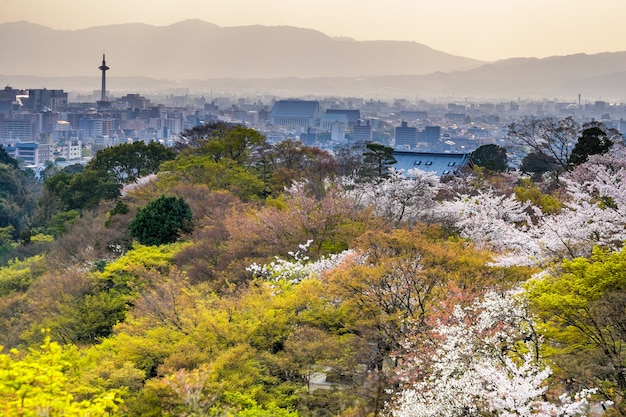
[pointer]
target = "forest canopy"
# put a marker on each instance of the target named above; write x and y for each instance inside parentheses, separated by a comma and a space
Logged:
(229, 276)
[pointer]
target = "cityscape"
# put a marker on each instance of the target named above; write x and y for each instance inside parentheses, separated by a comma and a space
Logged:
(43, 126)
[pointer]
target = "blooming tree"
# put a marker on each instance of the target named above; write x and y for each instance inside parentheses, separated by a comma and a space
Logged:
(286, 272)
(495, 222)
(594, 210)
(593, 213)
(482, 359)
(402, 197)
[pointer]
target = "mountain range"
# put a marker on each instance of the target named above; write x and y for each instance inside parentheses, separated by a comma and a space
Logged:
(285, 60)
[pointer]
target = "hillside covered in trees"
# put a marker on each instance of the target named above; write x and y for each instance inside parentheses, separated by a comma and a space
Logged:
(233, 277)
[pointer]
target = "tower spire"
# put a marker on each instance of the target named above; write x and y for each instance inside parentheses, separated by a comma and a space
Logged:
(103, 68)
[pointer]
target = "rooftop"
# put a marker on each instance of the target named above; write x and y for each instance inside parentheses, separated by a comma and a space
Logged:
(439, 163)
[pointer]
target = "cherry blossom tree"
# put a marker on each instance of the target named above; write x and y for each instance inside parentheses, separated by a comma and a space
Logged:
(481, 360)
(300, 267)
(402, 197)
(495, 222)
(594, 210)
(593, 213)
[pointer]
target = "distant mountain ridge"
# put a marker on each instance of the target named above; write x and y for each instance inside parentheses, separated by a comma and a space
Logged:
(195, 49)
(286, 61)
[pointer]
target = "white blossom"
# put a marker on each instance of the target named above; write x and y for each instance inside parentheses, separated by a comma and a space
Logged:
(138, 183)
(475, 367)
(593, 213)
(293, 271)
(403, 197)
(495, 222)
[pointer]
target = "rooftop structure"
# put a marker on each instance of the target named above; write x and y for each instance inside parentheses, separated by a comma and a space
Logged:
(440, 163)
(352, 115)
(295, 113)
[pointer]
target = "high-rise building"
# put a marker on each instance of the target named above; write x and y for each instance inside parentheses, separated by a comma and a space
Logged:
(430, 134)
(21, 127)
(362, 132)
(406, 136)
(42, 99)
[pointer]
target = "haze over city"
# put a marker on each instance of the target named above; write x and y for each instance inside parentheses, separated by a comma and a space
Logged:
(487, 30)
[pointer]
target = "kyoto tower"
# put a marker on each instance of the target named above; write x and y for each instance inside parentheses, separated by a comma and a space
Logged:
(103, 68)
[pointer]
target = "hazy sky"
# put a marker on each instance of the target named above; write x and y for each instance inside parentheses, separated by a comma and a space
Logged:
(481, 29)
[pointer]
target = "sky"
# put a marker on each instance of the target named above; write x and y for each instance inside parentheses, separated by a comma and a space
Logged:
(481, 29)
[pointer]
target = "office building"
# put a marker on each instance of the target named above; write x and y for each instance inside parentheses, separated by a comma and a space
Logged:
(406, 136)
(362, 131)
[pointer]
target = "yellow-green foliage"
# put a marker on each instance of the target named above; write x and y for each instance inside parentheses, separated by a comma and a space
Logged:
(528, 191)
(138, 261)
(18, 275)
(224, 174)
(38, 384)
(581, 314)
(41, 238)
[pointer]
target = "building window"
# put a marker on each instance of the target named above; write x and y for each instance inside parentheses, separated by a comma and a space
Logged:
(416, 163)
(451, 164)
(428, 163)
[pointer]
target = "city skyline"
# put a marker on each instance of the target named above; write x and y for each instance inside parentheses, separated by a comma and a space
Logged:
(482, 29)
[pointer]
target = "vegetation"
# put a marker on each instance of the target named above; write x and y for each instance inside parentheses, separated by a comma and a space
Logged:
(595, 139)
(377, 159)
(18, 197)
(241, 278)
(161, 221)
(128, 162)
(492, 157)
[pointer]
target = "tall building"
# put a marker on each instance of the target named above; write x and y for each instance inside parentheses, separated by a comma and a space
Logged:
(362, 132)
(430, 134)
(406, 136)
(42, 99)
(20, 127)
(352, 115)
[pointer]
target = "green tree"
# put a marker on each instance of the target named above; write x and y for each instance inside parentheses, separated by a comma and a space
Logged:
(18, 275)
(193, 137)
(581, 315)
(377, 159)
(224, 141)
(161, 221)
(538, 163)
(5, 158)
(223, 175)
(595, 139)
(81, 191)
(127, 162)
(492, 157)
(528, 191)
(18, 200)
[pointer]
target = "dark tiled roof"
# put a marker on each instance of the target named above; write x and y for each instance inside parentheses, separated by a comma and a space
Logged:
(295, 108)
(439, 163)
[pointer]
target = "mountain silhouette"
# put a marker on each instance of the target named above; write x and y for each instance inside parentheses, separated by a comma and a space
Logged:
(194, 49)
(288, 61)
